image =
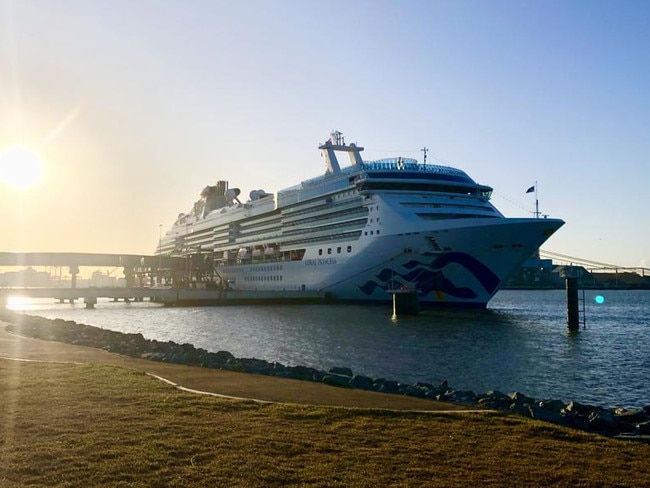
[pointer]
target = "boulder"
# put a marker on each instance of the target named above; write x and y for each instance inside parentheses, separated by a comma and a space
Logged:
(467, 397)
(554, 406)
(386, 386)
(361, 382)
(342, 371)
(547, 415)
(494, 400)
(255, 366)
(603, 421)
(575, 408)
(336, 380)
(643, 428)
(520, 398)
(304, 373)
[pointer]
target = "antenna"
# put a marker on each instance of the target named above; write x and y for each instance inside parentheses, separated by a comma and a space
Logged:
(425, 151)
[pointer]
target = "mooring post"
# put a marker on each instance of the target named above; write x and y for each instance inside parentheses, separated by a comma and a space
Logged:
(572, 310)
(405, 302)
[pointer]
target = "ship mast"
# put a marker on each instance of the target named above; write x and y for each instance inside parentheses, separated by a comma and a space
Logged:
(425, 150)
(336, 142)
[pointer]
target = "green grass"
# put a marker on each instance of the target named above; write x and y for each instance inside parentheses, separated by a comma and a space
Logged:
(97, 425)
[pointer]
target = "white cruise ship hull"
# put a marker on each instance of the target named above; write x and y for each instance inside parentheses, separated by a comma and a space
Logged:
(480, 257)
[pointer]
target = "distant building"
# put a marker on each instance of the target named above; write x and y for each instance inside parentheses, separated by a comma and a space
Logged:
(543, 274)
(536, 273)
(101, 280)
(28, 277)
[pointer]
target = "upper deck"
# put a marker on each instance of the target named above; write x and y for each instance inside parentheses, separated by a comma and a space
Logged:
(396, 169)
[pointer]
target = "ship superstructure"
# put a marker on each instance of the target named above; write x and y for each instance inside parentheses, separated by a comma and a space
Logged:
(359, 231)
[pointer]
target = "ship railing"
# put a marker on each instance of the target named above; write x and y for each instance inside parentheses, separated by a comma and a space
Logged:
(409, 164)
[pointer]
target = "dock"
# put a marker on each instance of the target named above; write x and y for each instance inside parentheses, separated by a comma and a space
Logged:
(169, 297)
(187, 281)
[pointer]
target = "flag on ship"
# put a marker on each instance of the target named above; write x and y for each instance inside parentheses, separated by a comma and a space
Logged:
(531, 189)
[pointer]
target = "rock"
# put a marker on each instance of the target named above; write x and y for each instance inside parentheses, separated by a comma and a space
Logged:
(643, 428)
(386, 386)
(304, 373)
(521, 399)
(521, 409)
(467, 397)
(603, 421)
(554, 406)
(255, 366)
(153, 356)
(223, 356)
(630, 416)
(342, 371)
(575, 408)
(337, 380)
(414, 391)
(547, 415)
(361, 382)
(494, 400)
(280, 370)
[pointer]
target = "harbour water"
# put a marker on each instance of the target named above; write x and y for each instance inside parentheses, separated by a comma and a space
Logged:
(520, 343)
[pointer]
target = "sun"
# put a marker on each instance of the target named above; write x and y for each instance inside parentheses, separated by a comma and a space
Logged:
(20, 166)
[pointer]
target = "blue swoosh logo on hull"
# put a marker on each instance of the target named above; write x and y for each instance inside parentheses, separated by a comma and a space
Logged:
(430, 277)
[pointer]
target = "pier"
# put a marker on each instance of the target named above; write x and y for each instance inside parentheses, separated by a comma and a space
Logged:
(179, 281)
(169, 297)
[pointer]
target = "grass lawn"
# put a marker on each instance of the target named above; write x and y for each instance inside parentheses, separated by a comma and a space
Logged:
(100, 425)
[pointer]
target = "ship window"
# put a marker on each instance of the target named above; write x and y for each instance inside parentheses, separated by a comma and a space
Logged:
(329, 250)
(320, 252)
(371, 232)
(349, 248)
(377, 231)
(338, 250)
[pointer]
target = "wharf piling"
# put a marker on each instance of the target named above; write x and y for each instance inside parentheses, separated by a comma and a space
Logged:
(572, 311)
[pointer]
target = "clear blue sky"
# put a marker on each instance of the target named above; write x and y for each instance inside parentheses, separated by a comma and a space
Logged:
(135, 106)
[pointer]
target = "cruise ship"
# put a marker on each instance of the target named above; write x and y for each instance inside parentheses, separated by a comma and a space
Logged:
(362, 231)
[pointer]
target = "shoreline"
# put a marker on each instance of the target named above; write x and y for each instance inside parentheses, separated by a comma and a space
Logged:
(613, 422)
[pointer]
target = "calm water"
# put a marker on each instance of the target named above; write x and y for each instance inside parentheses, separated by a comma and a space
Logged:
(520, 343)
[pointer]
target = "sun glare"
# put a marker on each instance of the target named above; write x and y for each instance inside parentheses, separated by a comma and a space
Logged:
(20, 166)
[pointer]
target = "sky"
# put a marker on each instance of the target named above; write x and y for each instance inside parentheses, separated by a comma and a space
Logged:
(134, 106)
